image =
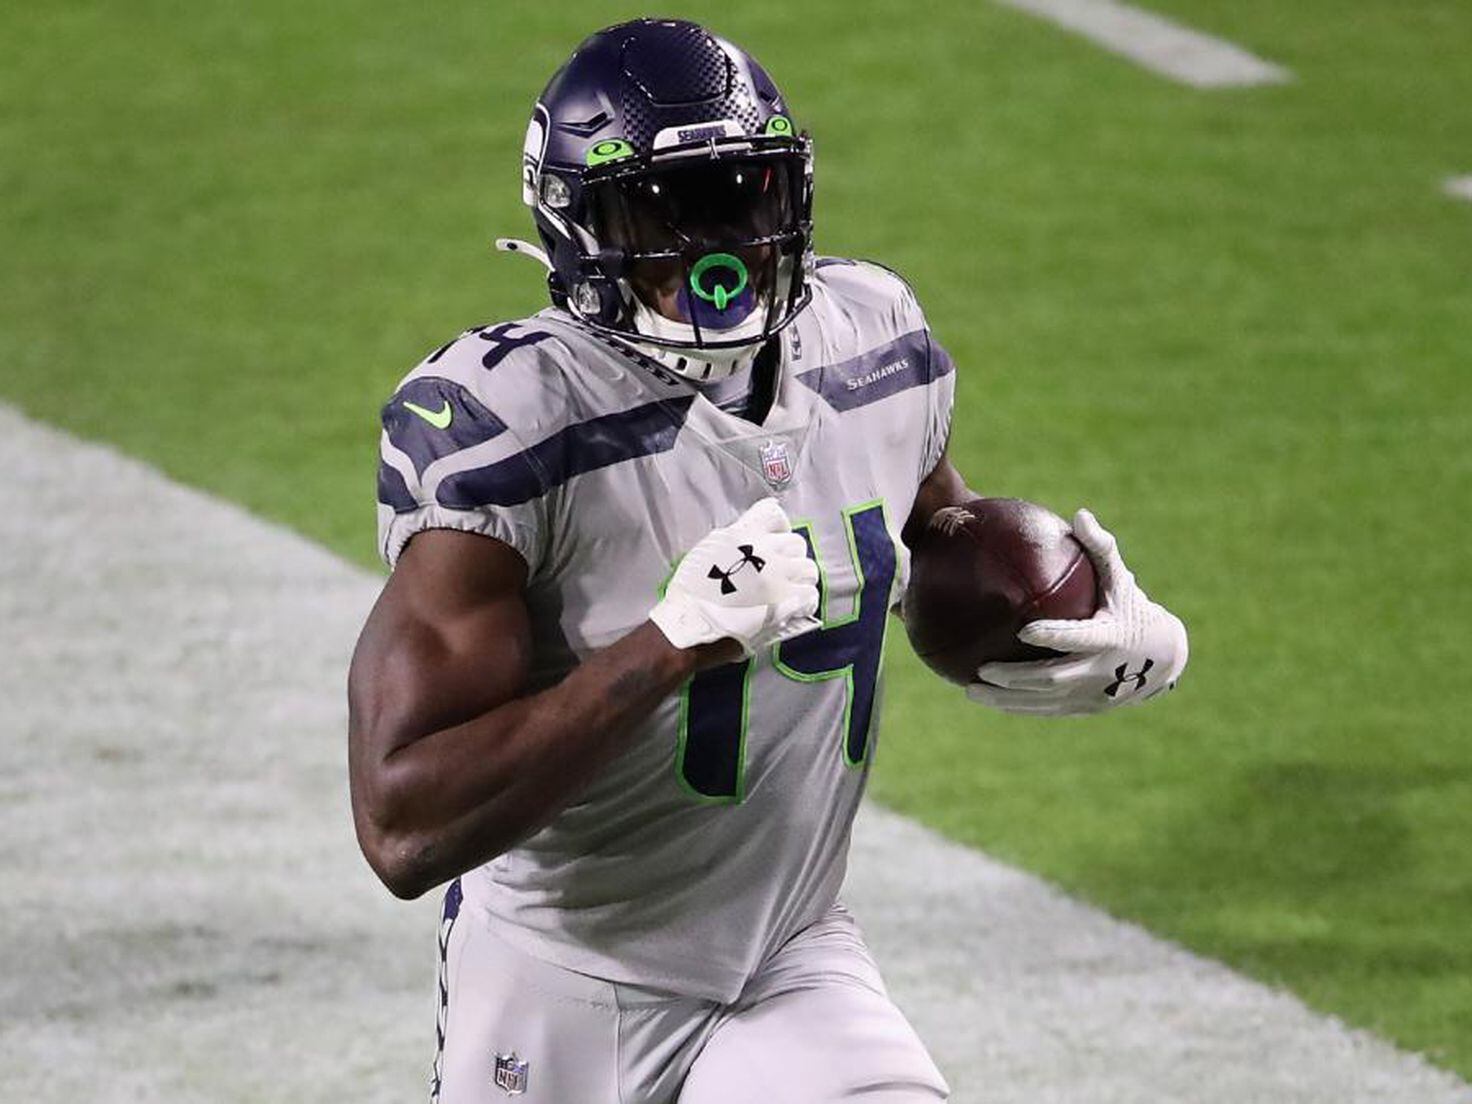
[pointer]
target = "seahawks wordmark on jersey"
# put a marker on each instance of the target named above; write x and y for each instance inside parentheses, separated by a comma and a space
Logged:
(724, 829)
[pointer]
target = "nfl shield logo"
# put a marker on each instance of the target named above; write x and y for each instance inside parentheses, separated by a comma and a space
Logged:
(776, 464)
(510, 1075)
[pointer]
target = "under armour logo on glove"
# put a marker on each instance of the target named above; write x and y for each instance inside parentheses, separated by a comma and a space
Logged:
(776, 600)
(1122, 676)
(724, 575)
(1128, 638)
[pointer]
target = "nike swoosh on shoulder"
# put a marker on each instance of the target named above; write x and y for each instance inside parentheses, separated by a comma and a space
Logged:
(440, 418)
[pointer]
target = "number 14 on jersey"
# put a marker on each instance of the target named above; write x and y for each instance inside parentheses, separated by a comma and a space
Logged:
(710, 760)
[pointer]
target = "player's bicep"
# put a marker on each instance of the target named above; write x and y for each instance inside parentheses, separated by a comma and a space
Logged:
(448, 640)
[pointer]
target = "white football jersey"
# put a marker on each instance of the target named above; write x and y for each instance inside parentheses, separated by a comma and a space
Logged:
(724, 828)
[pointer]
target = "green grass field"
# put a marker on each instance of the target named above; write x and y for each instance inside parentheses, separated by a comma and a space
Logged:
(1237, 324)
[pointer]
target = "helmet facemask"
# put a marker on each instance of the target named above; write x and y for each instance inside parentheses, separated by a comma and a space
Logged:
(707, 251)
(672, 194)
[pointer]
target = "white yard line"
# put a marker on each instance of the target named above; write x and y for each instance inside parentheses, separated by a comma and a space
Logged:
(1458, 187)
(184, 916)
(1157, 43)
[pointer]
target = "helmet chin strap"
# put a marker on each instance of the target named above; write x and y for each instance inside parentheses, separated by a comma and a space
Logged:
(701, 365)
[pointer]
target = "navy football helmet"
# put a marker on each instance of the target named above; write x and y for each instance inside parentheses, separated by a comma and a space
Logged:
(672, 191)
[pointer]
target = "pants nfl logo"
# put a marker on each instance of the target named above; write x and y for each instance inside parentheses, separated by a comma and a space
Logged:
(510, 1075)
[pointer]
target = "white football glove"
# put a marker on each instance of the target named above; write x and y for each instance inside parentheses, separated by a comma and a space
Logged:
(1130, 650)
(751, 580)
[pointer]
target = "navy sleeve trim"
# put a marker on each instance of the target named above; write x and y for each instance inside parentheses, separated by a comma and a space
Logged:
(393, 491)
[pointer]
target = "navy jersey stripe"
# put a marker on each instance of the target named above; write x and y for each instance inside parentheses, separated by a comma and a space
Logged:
(422, 436)
(576, 450)
(393, 491)
(911, 360)
(941, 363)
(451, 910)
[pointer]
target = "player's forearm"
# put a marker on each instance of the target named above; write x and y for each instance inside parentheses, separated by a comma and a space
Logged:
(457, 797)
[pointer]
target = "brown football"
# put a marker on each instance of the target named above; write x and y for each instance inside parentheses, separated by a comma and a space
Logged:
(982, 570)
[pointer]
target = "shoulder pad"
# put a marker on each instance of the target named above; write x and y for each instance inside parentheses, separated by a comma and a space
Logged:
(867, 286)
(487, 381)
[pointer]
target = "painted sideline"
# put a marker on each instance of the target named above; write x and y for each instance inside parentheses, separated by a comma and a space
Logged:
(1458, 187)
(186, 916)
(1157, 43)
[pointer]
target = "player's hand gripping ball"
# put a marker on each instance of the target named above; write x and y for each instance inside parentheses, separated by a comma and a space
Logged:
(752, 581)
(980, 572)
(1026, 571)
(1127, 652)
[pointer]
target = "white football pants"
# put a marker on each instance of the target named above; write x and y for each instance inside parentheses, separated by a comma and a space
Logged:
(814, 1025)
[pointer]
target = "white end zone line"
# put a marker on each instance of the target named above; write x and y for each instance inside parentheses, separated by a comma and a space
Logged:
(1458, 187)
(184, 914)
(1157, 44)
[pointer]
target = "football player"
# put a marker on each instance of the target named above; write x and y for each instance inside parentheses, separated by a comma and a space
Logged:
(620, 690)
